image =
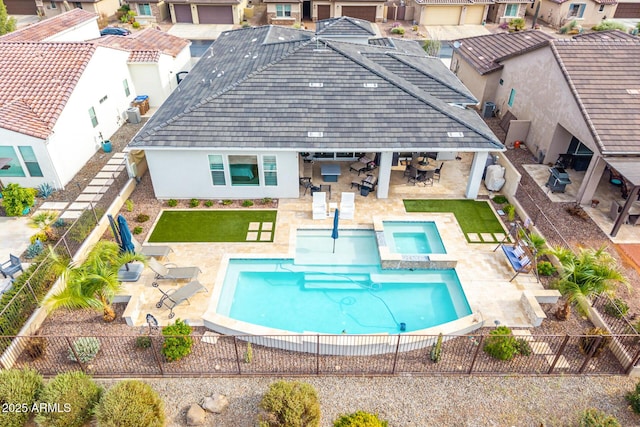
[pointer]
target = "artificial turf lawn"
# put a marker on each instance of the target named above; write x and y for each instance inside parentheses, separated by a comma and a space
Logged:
(473, 216)
(209, 225)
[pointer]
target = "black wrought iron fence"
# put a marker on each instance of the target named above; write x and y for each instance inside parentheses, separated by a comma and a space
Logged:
(317, 355)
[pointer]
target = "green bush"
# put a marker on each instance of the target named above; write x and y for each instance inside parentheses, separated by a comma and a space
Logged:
(177, 342)
(135, 24)
(524, 348)
(142, 218)
(18, 386)
(248, 354)
(16, 199)
(143, 342)
(129, 205)
(75, 393)
(545, 268)
(510, 211)
(633, 397)
(86, 349)
(194, 203)
(267, 200)
(616, 307)
(84, 225)
(501, 344)
(609, 25)
(130, 403)
(227, 202)
(594, 418)
(208, 203)
(436, 350)
(247, 203)
(137, 230)
(397, 30)
(360, 419)
(500, 199)
(290, 404)
(172, 203)
(589, 343)
(517, 24)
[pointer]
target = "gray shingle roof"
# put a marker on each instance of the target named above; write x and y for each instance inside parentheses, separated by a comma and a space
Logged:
(604, 78)
(484, 53)
(606, 35)
(344, 26)
(249, 91)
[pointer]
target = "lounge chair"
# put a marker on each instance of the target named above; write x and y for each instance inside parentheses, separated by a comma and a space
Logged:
(174, 297)
(364, 163)
(152, 251)
(347, 205)
(167, 272)
(319, 206)
(11, 267)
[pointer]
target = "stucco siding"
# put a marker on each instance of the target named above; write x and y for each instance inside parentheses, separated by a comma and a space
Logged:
(106, 7)
(185, 174)
(469, 77)
(557, 15)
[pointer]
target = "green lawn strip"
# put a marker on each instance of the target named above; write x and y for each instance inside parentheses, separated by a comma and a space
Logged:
(209, 225)
(473, 216)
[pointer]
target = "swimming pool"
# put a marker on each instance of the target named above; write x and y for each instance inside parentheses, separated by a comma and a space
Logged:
(419, 237)
(342, 292)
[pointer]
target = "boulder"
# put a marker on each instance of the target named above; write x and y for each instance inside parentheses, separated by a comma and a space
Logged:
(216, 404)
(195, 415)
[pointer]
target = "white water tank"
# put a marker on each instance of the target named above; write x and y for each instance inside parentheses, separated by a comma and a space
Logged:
(133, 115)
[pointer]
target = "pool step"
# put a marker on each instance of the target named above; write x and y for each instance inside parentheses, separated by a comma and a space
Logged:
(335, 281)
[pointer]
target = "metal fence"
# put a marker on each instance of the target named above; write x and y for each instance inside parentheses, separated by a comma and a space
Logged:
(17, 304)
(123, 356)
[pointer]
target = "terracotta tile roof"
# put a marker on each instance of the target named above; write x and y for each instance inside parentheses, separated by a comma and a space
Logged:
(607, 35)
(146, 45)
(37, 81)
(484, 53)
(603, 77)
(42, 30)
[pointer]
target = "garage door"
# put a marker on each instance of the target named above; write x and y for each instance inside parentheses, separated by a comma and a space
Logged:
(474, 16)
(368, 13)
(324, 11)
(627, 10)
(183, 13)
(442, 15)
(215, 14)
(21, 7)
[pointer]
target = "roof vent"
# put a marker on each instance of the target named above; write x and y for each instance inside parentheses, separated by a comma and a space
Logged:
(315, 134)
(633, 91)
(455, 134)
(316, 84)
(253, 40)
(371, 85)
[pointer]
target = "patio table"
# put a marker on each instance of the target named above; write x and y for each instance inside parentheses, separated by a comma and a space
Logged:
(330, 172)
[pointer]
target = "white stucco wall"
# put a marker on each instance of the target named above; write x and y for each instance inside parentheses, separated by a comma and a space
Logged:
(85, 31)
(15, 140)
(544, 98)
(185, 174)
(74, 140)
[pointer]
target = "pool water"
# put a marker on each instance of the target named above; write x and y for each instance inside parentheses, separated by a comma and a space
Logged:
(413, 237)
(334, 293)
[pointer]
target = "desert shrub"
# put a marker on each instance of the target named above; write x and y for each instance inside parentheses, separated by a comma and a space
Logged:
(267, 200)
(545, 268)
(36, 347)
(436, 350)
(172, 203)
(245, 24)
(135, 24)
(208, 203)
(177, 342)
(360, 419)
(130, 403)
(633, 397)
(510, 211)
(59, 222)
(247, 203)
(33, 250)
(397, 30)
(16, 199)
(616, 307)
(42, 236)
(75, 393)
(86, 349)
(501, 344)
(84, 225)
(609, 25)
(594, 418)
(194, 203)
(18, 386)
(290, 404)
(129, 205)
(500, 199)
(523, 346)
(45, 190)
(143, 341)
(137, 230)
(517, 24)
(589, 342)
(227, 202)
(142, 218)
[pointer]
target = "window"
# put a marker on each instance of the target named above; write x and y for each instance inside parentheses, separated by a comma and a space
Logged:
(270, 170)
(78, 5)
(217, 169)
(511, 10)
(576, 10)
(601, 8)
(30, 161)
(244, 170)
(283, 10)
(501, 82)
(53, 5)
(94, 119)
(14, 168)
(512, 97)
(103, 99)
(125, 83)
(144, 9)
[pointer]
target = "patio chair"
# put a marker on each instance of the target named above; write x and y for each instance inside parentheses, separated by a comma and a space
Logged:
(319, 206)
(174, 297)
(168, 272)
(437, 172)
(413, 175)
(152, 251)
(347, 205)
(306, 183)
(425, 178)
(11, 267)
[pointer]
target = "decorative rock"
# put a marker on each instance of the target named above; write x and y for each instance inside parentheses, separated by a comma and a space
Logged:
(216, 404)
(195, 415)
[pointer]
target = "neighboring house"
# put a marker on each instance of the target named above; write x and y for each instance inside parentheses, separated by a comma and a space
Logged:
(451, 12)
(368, 10)
(239, 124)
(20, 7)
(150, 10)
(577, 96)
(207, 11)
(506, 10)
(155, 60)
(76, 25)
(57, 7)
(283, 12)
(345, 29)
(586, 13)
(627, 9)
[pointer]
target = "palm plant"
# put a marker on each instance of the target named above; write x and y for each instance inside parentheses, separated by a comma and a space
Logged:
(583, 275)
(94, 283)
(44, 221)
